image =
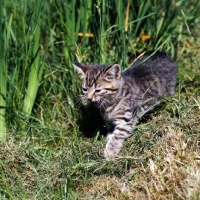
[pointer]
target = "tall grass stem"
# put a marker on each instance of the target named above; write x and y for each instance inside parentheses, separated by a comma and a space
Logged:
(36, 69)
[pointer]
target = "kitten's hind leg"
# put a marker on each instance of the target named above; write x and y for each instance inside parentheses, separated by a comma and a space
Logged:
(146, 107)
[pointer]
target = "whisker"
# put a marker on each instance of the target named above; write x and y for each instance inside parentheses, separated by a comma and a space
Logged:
(80, 100)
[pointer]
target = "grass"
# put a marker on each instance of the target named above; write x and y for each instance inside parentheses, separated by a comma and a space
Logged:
(46, 156)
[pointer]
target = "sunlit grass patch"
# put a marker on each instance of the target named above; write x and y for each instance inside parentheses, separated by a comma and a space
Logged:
(163, 171)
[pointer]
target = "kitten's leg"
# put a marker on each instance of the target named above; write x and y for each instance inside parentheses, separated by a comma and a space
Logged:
(123, 127)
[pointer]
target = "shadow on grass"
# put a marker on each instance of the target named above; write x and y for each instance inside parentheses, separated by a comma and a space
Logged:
(90, 121)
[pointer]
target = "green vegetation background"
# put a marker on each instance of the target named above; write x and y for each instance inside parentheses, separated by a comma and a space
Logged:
(43, 154)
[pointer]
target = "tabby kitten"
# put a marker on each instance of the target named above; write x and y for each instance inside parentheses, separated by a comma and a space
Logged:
(124, 97)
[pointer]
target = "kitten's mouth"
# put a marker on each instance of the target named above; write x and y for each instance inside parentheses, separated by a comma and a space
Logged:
(97, 103)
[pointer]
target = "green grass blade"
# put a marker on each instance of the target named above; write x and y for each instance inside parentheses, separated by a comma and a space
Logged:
(188, 29)
(3, 80)
(4, 43)
(143, 8)
(36, 70)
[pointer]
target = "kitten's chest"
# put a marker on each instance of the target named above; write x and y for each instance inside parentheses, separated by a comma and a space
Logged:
(112, 112)
(123, 103)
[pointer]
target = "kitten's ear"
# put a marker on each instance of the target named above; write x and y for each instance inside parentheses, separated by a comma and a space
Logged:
(81, 69)
(113, 72)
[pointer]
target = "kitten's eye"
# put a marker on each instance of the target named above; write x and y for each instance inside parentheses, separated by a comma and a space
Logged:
(98, 90)
(84, 89)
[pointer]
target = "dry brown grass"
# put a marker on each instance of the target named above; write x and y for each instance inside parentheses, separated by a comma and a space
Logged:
(171, 169)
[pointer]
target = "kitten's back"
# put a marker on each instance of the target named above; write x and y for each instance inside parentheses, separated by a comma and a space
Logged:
(158, 68)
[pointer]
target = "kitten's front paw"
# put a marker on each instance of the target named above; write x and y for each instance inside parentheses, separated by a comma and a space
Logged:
(110, 153)
(113, 146)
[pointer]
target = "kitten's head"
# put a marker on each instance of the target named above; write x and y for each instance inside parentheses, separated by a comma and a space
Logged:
(100, 83)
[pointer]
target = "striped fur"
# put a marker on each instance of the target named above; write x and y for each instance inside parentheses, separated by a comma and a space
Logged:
(124, 97)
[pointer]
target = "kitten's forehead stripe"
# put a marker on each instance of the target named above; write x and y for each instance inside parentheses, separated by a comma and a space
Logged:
(93, 74)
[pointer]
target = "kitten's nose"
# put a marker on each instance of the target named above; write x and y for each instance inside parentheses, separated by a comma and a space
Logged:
(89, 99)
